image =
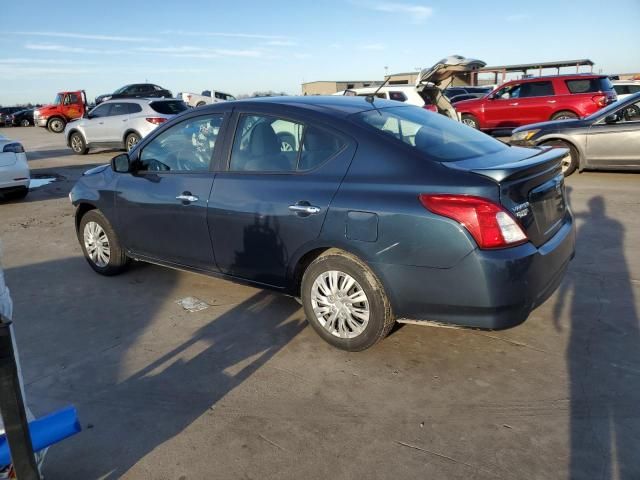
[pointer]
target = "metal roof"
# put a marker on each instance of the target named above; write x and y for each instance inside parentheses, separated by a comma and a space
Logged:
(531, 66)
(342, 81)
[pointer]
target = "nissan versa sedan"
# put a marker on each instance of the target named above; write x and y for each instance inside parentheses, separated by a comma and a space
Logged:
(368, 210)
(606, 139)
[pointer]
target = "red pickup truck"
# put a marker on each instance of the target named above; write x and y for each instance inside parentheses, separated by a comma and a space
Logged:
(538, 99)
(66, 107)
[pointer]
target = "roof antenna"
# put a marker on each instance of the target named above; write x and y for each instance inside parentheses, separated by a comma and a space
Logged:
(371, 97)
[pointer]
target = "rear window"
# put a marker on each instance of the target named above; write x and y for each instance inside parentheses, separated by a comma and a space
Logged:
(589, 85)
(439, 137)
(170, 107)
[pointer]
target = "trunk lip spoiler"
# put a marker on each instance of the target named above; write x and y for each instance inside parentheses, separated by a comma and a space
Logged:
(543, 160)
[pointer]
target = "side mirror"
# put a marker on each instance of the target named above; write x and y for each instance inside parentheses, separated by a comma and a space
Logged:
(121, 163)
(613, 118)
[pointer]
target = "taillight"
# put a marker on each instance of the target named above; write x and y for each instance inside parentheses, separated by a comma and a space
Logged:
(431, 108)
(156, 120)
(600, 100)
(13, 148)
(488, 223)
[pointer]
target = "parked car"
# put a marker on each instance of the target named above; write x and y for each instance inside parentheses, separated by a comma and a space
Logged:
(399, 93)
(625, 88)
(207, 97)
(379, 211)
(119, 123)
(531, 100)
(6, 113)
(476, 92)
(136, 90)
(14, 170)
(67, 106)
(22, 118)
(606, 139)
(461, 98)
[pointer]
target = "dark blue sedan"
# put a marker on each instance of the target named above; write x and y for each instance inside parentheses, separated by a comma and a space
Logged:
(368, 210)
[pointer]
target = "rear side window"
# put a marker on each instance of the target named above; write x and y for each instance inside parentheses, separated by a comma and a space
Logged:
(438, 137)
(169, 107)
(118, 109)
(589, 85)
(134, 108)
(398, 96)
(536, 89)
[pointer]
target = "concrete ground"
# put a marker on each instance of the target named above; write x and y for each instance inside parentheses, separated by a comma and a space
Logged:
(245, 389)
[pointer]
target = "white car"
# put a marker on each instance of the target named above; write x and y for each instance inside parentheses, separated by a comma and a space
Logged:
(120, 123)
(401, 93)
(14, 170)
(624, 88)
(207, 97)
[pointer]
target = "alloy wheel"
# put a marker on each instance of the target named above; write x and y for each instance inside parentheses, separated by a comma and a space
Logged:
(340, 304)
(96, 244)
(76, 144)
(131, 141)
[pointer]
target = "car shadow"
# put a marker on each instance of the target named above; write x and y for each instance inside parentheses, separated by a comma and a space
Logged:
(603, 355)
(114, 347)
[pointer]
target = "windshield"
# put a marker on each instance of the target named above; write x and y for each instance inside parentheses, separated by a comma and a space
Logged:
(58, 100)
(121, 89)
(611, 108)
(439, 137)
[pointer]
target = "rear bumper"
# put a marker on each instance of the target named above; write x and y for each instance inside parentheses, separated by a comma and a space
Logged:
(491, 289)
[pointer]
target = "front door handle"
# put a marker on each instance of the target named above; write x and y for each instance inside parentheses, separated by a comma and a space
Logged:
(551, 101)
(513, 104)
(304, 209)
(187, 197)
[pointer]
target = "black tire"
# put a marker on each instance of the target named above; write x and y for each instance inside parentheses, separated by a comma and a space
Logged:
(56, 125)
(17, 194)
(563, 115)
(470, 121)
(78, 144)
(117, 259)
(131, 140)
(568, 167)
(25, 123)
(200, 104)
(381, 318)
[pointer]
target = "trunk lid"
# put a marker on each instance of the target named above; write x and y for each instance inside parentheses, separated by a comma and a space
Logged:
(446, 68)
(531, 186)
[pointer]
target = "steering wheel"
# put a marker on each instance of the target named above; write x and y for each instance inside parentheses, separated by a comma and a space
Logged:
(287, 142)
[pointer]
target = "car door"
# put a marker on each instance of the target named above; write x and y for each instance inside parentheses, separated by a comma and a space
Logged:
(72, 106)
(94, 124)
(115, 123)
(271, 201)
(501, 110)
(536, 102)
(162, 206)
(616, 143)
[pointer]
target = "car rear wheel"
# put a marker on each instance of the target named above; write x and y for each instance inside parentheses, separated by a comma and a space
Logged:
(25, 123)
(17, 194)
(101, 245)
(344, 302)
(570, 162)
(470, 121)
(564, 115)
(56, 125)
(77, 143)
(131, 141)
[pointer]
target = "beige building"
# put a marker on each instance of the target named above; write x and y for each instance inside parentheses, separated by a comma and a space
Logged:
(328, 87)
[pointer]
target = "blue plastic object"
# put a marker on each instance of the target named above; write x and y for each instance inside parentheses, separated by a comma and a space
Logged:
(46, 431)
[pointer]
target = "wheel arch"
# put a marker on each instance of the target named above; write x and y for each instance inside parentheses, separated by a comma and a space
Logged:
(560, 110)
(127, 133)
(71, 132)
(571, 142)
(81, 211)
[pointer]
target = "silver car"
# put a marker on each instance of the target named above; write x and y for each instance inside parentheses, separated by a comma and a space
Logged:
(119, 123)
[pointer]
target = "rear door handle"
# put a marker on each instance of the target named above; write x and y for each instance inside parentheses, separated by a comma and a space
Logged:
(187, 197)
(551, 101)
(304, 209)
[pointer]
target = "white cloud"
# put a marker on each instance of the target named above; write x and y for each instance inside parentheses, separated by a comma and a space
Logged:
(282, 43)
(199, 52)
(40, 61)
(416, 13)
(226, 34)
(51, 47)
(84, 36)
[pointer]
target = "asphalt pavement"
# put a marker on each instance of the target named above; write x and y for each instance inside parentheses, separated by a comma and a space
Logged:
(245, 389)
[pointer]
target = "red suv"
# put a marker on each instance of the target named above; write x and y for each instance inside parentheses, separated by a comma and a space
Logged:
(539, 99)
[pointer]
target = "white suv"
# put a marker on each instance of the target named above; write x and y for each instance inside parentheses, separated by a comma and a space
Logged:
(119, 123)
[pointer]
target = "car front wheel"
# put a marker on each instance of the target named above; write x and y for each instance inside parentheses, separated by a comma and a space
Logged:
(100, 244)
(344, 301)
(56, 125)
(78, 145)
(571, 161)
(470, 121)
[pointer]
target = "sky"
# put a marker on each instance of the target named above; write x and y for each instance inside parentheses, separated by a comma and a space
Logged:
(244, 46)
